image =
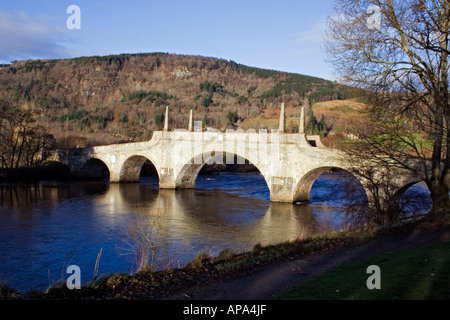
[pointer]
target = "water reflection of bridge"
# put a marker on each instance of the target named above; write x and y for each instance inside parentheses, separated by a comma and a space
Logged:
(189, 215)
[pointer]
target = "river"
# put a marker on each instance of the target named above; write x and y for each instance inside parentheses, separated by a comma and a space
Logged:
(47, 226)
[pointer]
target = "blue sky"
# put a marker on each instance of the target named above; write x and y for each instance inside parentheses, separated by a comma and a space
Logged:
(280, 35)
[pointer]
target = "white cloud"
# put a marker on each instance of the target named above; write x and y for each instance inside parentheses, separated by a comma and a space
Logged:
(25, 37)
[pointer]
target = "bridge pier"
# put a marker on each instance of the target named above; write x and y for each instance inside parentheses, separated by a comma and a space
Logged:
(114, 177)
(281, 189)
(166, 178)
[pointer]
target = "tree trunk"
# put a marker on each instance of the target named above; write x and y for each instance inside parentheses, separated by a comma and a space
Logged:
(438, 189)
(441, 201)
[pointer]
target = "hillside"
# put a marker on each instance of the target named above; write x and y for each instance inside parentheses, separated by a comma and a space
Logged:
(340, 114)
(111, 99)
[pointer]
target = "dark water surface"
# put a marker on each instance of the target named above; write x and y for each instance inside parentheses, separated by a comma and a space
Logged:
(46, 227)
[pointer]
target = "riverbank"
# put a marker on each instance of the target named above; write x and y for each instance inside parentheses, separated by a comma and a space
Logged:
(263, 271)
(279, 278)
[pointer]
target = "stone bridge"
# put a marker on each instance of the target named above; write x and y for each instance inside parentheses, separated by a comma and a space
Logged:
(289, 163)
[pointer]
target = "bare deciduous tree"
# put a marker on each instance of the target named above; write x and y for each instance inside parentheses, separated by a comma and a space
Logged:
(23, 143)
(398, 51)
(143, 240)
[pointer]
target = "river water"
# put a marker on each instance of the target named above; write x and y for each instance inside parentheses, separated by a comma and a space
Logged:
(47, 226)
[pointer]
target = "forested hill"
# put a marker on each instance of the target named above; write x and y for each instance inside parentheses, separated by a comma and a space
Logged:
(120, 98)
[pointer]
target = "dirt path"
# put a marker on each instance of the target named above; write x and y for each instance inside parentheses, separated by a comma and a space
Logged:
(277, 278)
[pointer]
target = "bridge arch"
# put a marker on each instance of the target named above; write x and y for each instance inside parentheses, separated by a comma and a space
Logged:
(304, 186)
(187, 175)
(412, 197)
(132, 168)
(96, 169)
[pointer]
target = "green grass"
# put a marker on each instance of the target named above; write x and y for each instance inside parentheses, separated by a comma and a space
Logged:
(414, 274)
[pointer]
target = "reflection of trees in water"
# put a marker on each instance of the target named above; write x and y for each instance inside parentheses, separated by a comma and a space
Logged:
(24, 196)
(28, 197)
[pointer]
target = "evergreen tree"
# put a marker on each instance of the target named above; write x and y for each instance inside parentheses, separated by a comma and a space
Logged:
(312, 124)
(159, 119)
(207, 100)
(317, 127)
(322, 124)
(232, 117)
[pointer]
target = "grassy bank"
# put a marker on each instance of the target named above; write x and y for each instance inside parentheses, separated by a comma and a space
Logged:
(204, 269)
(412, 274)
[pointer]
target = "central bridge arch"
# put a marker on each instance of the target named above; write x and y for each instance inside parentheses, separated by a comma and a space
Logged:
(187, 175)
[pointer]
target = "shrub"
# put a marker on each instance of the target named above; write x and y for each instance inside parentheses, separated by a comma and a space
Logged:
(159, 119)
(207, 100)
(124, 118)
(242, 99)
(225, 255)
(137, 95)
(198, 263)
(232, 117)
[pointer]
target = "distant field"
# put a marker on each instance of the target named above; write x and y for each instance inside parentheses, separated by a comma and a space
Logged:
(338, 107)
(339, 114)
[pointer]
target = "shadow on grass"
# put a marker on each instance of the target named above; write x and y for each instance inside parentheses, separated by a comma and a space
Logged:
(413, 274)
